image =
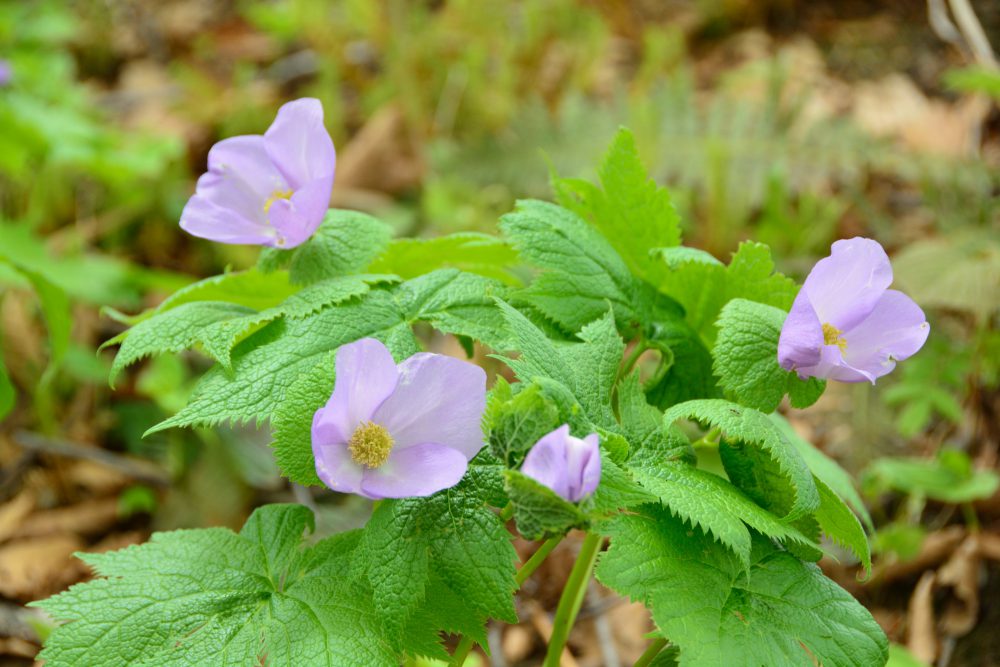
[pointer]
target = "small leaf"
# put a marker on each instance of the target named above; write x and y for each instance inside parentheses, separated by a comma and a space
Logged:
(537, 509)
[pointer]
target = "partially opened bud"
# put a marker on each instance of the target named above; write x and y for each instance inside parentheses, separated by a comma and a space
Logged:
(569, 466)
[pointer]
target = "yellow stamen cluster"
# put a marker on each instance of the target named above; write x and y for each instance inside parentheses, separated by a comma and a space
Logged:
(370, 445)
(275, 196)
(833, 336)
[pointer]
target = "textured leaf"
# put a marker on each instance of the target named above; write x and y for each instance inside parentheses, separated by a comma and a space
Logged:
(212, 598)
(644, 429)
(537, 509)
(826, 469)
(595, 365)
(345, 243)
(617, 490)
(780, 611)
(292, 424)
(582, 274)
(689, 375)
(268, 362)
(515, 422)
(840, 524)
(632, 212)
(250, 288)
(746, 358)
(715, 506)
(469, 251)
(457, 303)
(703, 287)
(452, 535)
(790, 477)
(173, 330)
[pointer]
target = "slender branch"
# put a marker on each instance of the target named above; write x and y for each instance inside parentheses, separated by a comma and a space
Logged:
(572, 598)
(650, 653)
(632, 358)
(708, 440)
(507, 512)
(536, 559)
(526, 570)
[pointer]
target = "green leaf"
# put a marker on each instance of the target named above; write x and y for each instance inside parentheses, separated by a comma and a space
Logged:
(780, 611)
(213, 598)
(292, 424)
(457, 303)
(643, 426)
(595, 365)
(452, 535)
(715, 506)
(689, 374)
(703, 287)
(582, 273)
(840, 524)
(746, 358)
(268, 362)
(249, 288)
(173, 330)
(632, 212)
(949, 479)
(515, 422)
(537, 509)
(826, 469)
(345, 243)
(471, 252)
(790, 480)
(617, 490)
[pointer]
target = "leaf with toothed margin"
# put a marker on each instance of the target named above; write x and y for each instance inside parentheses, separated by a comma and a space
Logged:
(714, 505)
(268, 362)
(214, 598)
(779, 611)
(789, 481)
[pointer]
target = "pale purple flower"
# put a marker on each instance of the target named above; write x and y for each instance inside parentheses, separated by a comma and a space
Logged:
(6, 73)
(846, 324)
(395, 431)
(270, 190)
(569, 466)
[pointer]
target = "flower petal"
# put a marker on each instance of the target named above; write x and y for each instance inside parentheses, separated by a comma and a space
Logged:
(895, 330)
(546, 462)
(418, 470)
(801, 335)
(438, 399)
(335, 467)
(297, 218)
(832, 366)
(590, 471)
(206, 220)
(299, 144)
(845, 286)
(366, 377)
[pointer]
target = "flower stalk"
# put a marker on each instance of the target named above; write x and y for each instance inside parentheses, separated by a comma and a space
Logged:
(572, 598)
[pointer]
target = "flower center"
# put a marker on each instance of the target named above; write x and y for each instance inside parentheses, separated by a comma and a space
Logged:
(833, 336)
(275, 196)
(370, 445)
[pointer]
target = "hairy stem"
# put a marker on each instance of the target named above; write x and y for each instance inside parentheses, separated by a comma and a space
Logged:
(650, 653)
(572, 598)
(526, 570)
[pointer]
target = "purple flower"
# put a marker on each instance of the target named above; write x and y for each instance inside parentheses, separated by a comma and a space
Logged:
(845, 323)
(6, 73)
(569, 466)
(393, 431)
(268, 190)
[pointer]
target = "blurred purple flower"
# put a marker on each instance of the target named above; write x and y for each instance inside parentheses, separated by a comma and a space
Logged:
(569, 466)
(846, 324)
(6, 73)
(268, 190)
(393, 431)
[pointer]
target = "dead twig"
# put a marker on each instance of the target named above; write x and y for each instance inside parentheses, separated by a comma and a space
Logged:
(139, 470)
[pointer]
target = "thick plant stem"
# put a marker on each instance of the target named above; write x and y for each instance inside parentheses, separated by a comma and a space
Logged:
(572, 598)
(465, 646)
(650, 653)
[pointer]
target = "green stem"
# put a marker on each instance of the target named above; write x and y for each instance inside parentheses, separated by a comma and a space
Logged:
(507, 512)
(461, 652)
(708, 440)
(632, 358)
(526, 570)
(650, 654)
(536, 559)
(572, 598)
